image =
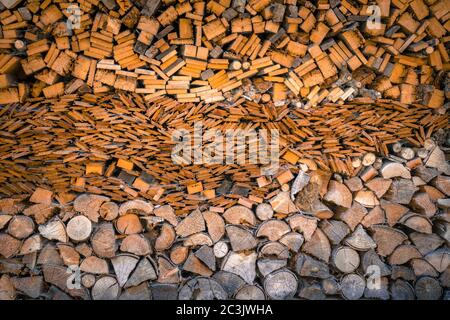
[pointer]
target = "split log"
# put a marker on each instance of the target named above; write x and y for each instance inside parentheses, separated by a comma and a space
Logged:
(94, 265)
(128, 224)
(338, 194)
(318, 246)
(123, 265)
(166, 237)
(54, 230)
(273, 229)
(193, 223)
(201, 288)
(242, 264)
(240, 238)
(387, 239)
(105, 288)
(104, 241)
(136, 244)
(215, 225)
(145, 271)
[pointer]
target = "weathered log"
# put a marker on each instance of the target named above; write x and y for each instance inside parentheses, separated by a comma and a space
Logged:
(240, 238)
(280, 285)
(345, 259)
(352, 286)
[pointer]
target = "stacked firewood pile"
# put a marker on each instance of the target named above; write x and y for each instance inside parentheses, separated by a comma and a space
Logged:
(302, 52)
(92, 205)
(380, 235)
(120, 145)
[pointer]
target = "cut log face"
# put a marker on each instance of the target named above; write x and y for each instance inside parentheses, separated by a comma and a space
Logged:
(242, 264)
(129, 224)
(282, 203)
(31, 245)
(426, 243)
(109, 211)
(104, 241)
(201, 288)
(240, 238)
(370, 259)
(106, 288)
(167, 213)
(353, 286)
(352, 216)
(422, 203)
(4, 219)
(240, 215)
(437, 160)
(404, 253)
(318, 246)
(281, 284)
(402, 290)
(417, 222)
(145, 270)
(79, 228)
(439, 259)
(198, 239)
(215, 225)
(428, 288)
(69, 255)
(264, 211)
(54, 230)
(374, 216)
(89, 205)
(250, 292)
(9, 246)
(179, 254)
(273, 229)
(193, 223)
(366, 198)
(123, 266)
(20, 227)
(220, 249)
(94, 265)
(379, 186)
(136, 244)
(293, 241)
(335, 230)
(387, 239)
(345, 259)
(393, 211)
(360, 240)
(339, 194)
(401, 191)
(304, 224)
(196, 266)
(137, 206)
(166, 237)
(394, 170)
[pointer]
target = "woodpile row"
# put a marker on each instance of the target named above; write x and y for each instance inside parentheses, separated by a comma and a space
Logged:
(384, 235)
(292, 51)
(120, 146)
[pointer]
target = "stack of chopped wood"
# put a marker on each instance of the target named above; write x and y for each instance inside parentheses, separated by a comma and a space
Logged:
(120, 146)
(383, 234)
(310, 51)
